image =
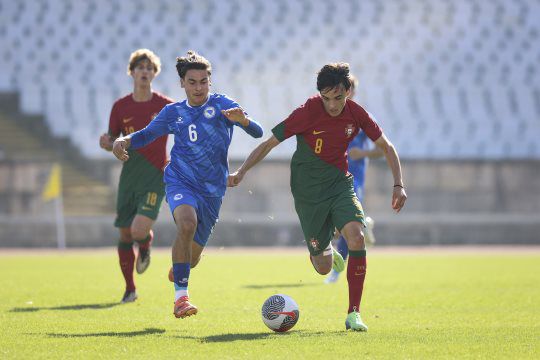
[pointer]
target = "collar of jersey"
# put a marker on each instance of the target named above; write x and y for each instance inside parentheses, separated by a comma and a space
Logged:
(200, 106)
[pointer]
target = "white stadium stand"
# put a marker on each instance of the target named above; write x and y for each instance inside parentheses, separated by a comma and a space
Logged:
(446, 79)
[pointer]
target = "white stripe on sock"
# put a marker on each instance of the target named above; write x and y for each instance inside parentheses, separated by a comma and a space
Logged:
(179, 293)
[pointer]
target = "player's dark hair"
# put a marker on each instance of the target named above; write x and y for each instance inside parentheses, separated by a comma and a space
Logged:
(333, 75)
(143, 54)
(192, 61)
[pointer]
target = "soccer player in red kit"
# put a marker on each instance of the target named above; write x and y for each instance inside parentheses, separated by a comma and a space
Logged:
(141, 188)
(321, 184)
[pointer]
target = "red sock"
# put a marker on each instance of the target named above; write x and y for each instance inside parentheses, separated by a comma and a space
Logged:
(356, 273)
(127, 262)
(146, 243)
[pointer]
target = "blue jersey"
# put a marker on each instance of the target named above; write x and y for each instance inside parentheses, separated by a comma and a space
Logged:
(202, 136)
(358, 167)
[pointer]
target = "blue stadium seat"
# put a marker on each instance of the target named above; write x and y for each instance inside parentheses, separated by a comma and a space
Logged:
(425, 68)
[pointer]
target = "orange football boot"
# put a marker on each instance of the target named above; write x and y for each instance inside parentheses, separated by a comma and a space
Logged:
(183, 308)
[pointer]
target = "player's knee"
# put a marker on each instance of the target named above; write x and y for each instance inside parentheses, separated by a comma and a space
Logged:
(322, 264)
(187, 226)
(324, 269)
(138, 233)
(356, 242)
(125, 237)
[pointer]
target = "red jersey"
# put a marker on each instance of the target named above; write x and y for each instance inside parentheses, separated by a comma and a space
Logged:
(319, 167)
(128, 116)
(326, 135)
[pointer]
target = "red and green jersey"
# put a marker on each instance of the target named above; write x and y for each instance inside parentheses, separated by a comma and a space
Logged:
(128, 116)
(319, 167)
(145, 166)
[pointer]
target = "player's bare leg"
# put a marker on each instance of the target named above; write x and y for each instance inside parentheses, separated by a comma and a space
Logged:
(356, 273)
(322, 263)
(141, 231)
(186, 224)
(329, 259)
(196, 251)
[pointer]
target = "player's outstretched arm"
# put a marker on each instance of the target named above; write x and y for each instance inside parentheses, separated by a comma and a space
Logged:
(256, 155)
(399, 196)
(120, 147)
(250, 126)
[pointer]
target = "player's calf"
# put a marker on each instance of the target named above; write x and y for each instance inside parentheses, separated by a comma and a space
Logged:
(324, 262)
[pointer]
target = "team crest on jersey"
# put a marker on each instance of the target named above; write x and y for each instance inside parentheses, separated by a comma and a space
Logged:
(314, 243)
(179, 120)
(349, 130)
(209, 112)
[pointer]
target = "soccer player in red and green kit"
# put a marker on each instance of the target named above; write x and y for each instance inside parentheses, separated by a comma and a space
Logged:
(141, 188)
(321, 184)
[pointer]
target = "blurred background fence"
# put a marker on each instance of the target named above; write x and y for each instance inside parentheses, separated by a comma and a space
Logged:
(454, 84)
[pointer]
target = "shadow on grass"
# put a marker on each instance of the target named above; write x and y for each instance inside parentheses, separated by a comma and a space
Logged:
(235, 337)
(67, 307)
(275, 286)
(259, 336)
(147, 331)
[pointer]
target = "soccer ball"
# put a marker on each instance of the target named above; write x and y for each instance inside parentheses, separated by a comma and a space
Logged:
(280, 312)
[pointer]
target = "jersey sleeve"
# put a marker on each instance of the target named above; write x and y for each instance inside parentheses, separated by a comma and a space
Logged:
(294, 124)
(254, 128)
(158, 127)
(114, 122)
(226, 103)
(366, 122)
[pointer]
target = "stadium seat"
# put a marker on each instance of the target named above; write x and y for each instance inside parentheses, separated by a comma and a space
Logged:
(418, 62)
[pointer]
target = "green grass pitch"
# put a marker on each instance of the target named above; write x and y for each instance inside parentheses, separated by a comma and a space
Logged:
(418, 305)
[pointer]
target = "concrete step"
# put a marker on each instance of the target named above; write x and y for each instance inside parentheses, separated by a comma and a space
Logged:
(411, 229)
(82, 194)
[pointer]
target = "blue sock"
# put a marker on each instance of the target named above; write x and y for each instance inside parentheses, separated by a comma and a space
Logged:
(342, 247)
(181, 275)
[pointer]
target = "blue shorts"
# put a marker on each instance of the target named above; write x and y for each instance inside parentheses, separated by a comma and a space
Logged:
(359, 190)
(207, 209)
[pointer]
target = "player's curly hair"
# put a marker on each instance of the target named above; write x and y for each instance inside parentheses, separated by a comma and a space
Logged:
(333, 75)
(192, 61)
(143, 54)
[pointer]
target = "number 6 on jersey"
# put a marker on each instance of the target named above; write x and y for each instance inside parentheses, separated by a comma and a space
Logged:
(192, 132)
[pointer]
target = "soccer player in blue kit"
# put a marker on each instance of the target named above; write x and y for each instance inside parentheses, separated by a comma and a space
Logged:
(196, 178)
(359, 153)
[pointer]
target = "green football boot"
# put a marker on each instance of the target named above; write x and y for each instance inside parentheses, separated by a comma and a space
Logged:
(354, 322)
(338, 263)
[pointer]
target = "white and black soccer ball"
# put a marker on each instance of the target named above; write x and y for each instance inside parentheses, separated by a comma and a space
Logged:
(280, 312)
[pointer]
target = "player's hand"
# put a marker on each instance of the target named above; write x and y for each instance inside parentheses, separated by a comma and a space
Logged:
(236, 115)
(119, 150)
(105, 142)
(235, 178)
(399, 196)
